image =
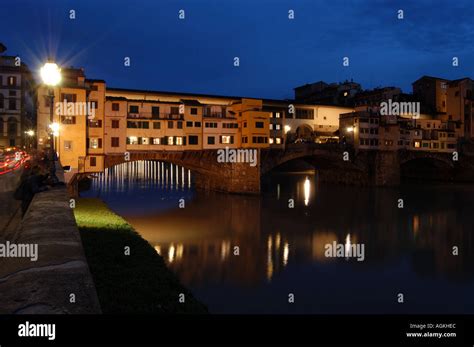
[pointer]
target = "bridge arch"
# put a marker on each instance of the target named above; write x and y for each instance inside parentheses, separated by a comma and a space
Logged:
(208, 173)
(427, 166)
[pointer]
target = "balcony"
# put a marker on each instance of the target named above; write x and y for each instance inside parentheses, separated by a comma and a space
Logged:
(218, 115)
(155, 116)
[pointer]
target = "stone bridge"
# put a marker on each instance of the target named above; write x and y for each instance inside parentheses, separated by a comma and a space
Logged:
(335, 163)
(209, 174)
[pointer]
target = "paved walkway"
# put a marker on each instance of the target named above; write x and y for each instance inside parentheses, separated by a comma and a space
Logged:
(60, 280)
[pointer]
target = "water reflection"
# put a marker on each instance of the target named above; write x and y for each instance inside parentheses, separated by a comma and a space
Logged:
(282, 249)
(144, 174)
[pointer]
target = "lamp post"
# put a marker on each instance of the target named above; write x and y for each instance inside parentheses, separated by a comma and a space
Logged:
(51, 76)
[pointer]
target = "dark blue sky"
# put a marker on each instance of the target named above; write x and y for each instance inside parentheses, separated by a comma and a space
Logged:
(276, 54)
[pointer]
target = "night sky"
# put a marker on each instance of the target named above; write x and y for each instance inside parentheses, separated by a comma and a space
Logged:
(276, 54)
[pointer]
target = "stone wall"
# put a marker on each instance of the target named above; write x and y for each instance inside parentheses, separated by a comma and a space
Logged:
(61, 272)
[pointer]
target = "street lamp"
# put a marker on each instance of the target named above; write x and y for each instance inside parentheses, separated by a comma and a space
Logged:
(30, 134)
(51, 76)
(54, 128)
(55, 131)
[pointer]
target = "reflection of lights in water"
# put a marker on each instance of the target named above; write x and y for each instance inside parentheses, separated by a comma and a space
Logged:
(286, 252)
(140, 174)
(171, 175)
(269, 259)
(416, 224)
(347, 246)
(277, 241)
(182, 177)
(158, 249)
(179, 251)
(307, 186)
(225, 249)
(278, 191)
(171, 252)
(177, 176)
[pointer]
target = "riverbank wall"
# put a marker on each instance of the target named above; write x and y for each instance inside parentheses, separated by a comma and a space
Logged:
(59, 280)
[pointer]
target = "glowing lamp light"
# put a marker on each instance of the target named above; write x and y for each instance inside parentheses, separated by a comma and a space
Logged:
(307, 186)
(287, 128)
(54, 128)
(50, 74)
(30, 133)
(350, 129)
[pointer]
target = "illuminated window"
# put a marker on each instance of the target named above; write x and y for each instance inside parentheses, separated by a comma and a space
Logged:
(11, 80)
(271, 140)
(278, 140)
(145, 141)
(170, 140)
(94, 143)
(277, 114)
(133, 140)
(271, 126)
(179, 140)
(417, 144)
(227, 139)
(277, 126)
(156, 141)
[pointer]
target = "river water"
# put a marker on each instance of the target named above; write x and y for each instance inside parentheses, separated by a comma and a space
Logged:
(268, 253)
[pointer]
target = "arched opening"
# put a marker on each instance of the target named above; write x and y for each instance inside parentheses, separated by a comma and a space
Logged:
(304, 133)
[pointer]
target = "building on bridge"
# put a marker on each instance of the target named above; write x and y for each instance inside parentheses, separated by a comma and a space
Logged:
(370, 130)
(115, 121)
(80, 142)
